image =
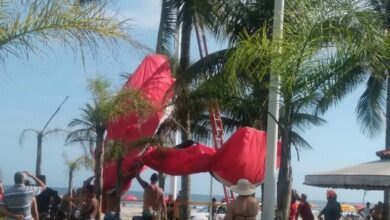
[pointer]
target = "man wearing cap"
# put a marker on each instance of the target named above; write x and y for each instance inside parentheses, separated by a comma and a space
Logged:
(332, 210)
(244, 206)
(18, 198)
(154, 206)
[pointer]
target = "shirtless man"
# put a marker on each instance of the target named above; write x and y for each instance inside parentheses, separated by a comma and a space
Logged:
(89, 208)
(154, 205)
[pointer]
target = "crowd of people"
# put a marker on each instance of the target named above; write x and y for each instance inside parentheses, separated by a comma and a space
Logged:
(375, 213)
(26, 201)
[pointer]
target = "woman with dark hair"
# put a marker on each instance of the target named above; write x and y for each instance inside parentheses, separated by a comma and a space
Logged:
(304, 209)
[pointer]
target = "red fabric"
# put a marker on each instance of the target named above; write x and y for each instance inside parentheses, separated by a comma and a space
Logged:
(194, 159)
(241, 156)
(109, 174)
(153, 78)
(247, 148)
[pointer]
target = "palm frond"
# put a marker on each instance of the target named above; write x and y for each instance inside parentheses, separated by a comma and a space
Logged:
(206, 67)
(82, 135)
(27, 25)
(239, 17)
(302, 121)
(299, 141)
(369, 110)
(54, 131)
(167, 27)
(23, 134)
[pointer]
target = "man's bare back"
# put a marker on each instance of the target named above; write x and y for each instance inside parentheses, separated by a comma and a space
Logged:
(90, 206)
(153, 197)
(154, 205)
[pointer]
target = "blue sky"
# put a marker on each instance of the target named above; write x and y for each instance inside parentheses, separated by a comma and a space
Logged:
(31, 89)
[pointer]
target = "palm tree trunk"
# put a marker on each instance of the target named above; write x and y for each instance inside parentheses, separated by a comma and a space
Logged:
(185, 210)
(99, 170)
(386, 196)
(182, 91)
(119, 181)
(38, 170)
(70, 191)
(284, 180)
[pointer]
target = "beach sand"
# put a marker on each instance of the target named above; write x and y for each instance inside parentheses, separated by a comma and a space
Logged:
(130, 210)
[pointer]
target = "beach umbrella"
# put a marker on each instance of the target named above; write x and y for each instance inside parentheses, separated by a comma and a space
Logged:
(348, 208)
(129, 198)
(359, 207)
(373, 175)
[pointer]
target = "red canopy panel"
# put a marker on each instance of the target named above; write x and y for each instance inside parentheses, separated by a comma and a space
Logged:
(154, 79)
(241, 156)
(109, 174)
(172, 161)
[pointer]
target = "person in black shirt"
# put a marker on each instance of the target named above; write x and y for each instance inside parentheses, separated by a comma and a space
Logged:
(46, 197)
(332, 210)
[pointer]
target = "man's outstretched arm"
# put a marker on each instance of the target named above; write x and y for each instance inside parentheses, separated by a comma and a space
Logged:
(141, 181)
(37, 181)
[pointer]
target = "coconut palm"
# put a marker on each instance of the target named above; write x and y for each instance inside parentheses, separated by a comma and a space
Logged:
(188, 13)
(80, 162)
(40, 134)
(373, 107)
(73, 166)
(92, 125)
(328, 48)
(127, 101)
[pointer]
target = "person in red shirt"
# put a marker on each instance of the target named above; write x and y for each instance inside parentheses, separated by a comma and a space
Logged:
(304, 209)
(293, 206)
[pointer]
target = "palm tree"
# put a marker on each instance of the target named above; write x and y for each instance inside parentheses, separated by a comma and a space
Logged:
(188, 14)
(133, 101)
(29, 25)
(321, 54)
(93, 126)
(373, 107)
(75, 165)
(40, 135)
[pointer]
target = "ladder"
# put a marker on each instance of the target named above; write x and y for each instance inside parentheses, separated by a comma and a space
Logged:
(214, 113)
(217, 137)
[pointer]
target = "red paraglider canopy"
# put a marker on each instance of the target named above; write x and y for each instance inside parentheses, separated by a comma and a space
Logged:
(241, 156)
(153, 78)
